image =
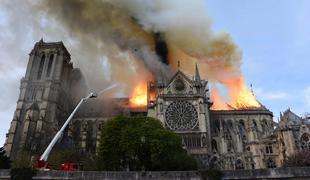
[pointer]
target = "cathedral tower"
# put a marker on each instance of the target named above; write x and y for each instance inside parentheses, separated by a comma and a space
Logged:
(43, 101)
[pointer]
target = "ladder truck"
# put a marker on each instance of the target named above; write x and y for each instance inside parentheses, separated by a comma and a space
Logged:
(42, 162)
(68, 166)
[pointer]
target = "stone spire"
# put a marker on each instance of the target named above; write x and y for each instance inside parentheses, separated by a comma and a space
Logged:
(197, 75)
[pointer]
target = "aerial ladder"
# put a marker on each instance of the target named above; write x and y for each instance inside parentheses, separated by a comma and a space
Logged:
(42, 162)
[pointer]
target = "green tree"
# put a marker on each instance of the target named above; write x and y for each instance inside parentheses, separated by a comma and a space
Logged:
(22, 169)
(5, 162)
(141, 143)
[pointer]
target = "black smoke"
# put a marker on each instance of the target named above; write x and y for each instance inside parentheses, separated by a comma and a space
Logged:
(161, 48)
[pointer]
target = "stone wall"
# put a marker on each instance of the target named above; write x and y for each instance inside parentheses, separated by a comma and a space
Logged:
(278, 173)
(5, 174)
(93, 175)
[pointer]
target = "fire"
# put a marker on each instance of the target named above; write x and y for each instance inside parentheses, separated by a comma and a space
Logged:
(240, 96)
(218, 102)
(139, 96)
(243, 98)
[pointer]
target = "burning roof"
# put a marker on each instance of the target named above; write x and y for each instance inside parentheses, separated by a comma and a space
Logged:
(108, 108)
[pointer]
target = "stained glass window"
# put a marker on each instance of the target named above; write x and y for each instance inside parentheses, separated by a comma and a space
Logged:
(181, 115)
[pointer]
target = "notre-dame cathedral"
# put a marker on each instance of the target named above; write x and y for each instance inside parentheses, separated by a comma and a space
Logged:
(229, 139)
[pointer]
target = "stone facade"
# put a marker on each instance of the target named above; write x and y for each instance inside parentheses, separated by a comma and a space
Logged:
(292, 134)
(238, 137)
(182, 105)
(228, 139)
(44, 100)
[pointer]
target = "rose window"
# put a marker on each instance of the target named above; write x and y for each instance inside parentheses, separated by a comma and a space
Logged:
(181, 115)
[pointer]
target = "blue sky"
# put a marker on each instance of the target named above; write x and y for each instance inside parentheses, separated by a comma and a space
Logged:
(274, 36)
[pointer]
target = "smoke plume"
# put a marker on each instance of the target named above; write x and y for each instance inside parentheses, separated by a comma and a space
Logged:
(132, 40)
(113, 40)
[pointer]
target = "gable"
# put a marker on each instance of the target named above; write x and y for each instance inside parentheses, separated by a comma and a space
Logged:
(180, 84)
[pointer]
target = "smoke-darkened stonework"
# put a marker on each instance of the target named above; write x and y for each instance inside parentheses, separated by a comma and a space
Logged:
(227, 139)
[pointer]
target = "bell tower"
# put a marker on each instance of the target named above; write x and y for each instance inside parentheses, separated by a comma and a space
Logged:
(43, 101)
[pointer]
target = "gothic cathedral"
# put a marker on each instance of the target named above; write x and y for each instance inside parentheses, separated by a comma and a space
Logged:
(228, 139)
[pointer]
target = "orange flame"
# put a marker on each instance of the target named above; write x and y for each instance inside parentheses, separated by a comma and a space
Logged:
(218, 101)
(139, 96)
(240, 96)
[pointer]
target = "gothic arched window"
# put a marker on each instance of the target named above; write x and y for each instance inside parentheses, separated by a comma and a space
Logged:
(241, 122)
(230, 147)
(214, 145)
(216, 125)
(41, 67)
(265, 122)
(255, 124)
(50, 63)
(268, 149)
(264, 125)
(242, 130)
(271, 163)
(161, 107)
(227, 135)
(230, 124)
(239, 164)
(33, 94)
(305, 141)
